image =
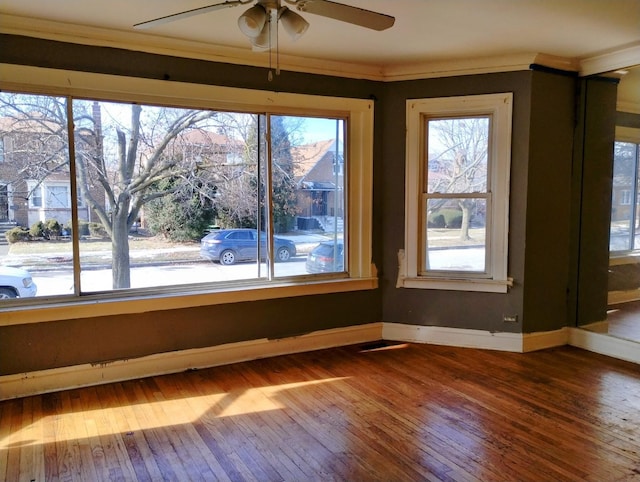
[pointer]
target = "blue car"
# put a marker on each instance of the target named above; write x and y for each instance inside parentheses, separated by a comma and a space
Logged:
(228, 246)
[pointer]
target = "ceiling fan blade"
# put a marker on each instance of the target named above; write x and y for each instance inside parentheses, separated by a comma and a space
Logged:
(188, 13)
(346, 13)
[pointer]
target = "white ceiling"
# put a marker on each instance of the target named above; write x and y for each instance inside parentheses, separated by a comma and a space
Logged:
(426, 32)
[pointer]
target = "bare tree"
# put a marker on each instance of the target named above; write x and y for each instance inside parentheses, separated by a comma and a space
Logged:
(458, 162)
(34, 140)
(140, 157)
(122, 166)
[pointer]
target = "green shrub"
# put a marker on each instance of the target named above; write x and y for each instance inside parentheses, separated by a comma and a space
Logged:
(83, 227)
(436, 220)
(452, 218)
(37, 230)
(52, 228)
(96, 230)
(17, 234)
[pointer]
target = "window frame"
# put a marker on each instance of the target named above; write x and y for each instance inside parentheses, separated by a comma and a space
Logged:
(35, 190)
(499, 108)
(49, 195)
(627, 256)
(361, 274)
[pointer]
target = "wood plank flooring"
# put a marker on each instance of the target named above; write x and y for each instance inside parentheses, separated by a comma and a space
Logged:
(388, 412)
(624, 320)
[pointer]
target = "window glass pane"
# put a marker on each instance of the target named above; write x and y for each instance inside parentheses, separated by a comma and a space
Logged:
(57, 197)
(623, 215)
(170, 195)
(308, 166)
(456, 235)
(457, 155)
(36, 164)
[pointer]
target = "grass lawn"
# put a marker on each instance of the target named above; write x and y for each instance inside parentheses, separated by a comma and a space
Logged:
(94, 245)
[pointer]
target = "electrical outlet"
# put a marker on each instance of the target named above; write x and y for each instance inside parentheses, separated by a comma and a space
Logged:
(510, 318)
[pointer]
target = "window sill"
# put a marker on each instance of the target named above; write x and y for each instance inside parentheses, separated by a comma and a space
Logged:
(483, 285)
(626, 258)
(92, 307)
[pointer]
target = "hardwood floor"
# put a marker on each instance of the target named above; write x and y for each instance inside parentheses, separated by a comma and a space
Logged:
(624, 320)
(389, 412)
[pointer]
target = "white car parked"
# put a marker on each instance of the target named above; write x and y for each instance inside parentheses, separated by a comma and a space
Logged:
(16, 283)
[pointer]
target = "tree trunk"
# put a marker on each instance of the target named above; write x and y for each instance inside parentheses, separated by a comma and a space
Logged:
(120, 271)
(466, 217)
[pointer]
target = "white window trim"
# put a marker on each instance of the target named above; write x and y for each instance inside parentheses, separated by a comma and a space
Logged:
(359, 112)
(499, 107)
(47, 185)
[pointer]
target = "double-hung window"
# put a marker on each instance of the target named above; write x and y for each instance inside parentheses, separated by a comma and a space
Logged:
(457, 193)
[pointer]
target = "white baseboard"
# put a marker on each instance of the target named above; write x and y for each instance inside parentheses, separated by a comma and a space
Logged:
(617, 297)
(55, 379)
(597, 327)
(605, 344)
(545, 339)
(438, 335)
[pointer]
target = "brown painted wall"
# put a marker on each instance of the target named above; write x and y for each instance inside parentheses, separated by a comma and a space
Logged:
(540, 138)
(483, 311)
(24, 348)
(593, 170)
(548, 214)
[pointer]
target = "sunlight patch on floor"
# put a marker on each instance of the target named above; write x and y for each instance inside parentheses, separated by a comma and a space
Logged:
(125, 419)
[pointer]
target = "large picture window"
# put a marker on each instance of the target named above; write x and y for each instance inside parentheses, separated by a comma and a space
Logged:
(114, 196)
(458, 158)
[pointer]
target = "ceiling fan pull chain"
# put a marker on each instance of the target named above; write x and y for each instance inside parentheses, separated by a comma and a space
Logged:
(270, 75)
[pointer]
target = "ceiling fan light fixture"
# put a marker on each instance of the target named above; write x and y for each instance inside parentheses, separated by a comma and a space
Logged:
(253, 21)
(262, 41)
(293, 24)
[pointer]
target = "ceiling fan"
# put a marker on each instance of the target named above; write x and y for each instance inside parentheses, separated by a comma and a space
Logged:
(258, 21)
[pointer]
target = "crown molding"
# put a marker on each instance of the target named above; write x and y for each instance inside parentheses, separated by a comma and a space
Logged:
(630, 107)
(611, 60)
(154, 44)
(477, 65)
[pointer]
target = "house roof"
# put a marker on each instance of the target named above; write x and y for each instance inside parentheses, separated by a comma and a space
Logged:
(11, 124)
(307, 157)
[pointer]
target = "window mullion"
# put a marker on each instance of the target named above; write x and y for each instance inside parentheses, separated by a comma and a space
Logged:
(75, 234)
(268, 208)
(634, 205)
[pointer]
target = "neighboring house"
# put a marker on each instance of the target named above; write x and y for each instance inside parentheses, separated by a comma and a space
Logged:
(319, 175)
(36, 187)
(622, 198)
(215, 154)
